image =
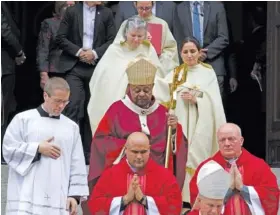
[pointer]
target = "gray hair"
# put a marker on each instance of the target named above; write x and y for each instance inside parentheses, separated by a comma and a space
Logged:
(56, 83)
(238, 130)
(232, 125)
(135, 22)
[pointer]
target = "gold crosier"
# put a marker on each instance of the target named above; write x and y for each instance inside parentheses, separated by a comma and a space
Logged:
(172, 103)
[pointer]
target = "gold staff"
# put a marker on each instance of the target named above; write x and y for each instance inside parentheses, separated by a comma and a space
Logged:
(172, 104)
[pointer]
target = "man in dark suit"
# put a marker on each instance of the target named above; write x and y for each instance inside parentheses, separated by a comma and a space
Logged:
(207, 22)
(161, 9)
(48, 52)
(11, 54)
(84, 35)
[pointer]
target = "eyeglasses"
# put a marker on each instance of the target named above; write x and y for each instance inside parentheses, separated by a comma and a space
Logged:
(144, 8)
(230, 139)
(59, 101)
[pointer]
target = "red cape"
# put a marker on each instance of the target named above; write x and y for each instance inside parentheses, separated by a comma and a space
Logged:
(118, 123)
(161, 185)
(256, 173)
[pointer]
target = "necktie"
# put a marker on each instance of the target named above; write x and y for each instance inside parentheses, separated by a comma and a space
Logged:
(196, 23)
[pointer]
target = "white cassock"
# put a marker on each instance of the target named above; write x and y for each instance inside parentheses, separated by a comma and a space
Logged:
(41, 186)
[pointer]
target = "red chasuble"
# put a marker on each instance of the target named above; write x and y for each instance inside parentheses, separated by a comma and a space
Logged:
(119, 122)
(257, 174)
(156, 182)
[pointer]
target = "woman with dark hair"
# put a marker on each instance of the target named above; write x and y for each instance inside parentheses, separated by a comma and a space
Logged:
(199, 105)
(47, 50)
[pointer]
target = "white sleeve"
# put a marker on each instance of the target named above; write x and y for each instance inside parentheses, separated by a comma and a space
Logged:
(115, 206)
(78, 52)
(152, 207)
(95, 54)
(78, 184)
(256, 206)
(18, 153)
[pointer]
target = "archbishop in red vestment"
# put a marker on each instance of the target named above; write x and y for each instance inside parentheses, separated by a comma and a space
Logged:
(158, 185)
(137, 111)
(255, 186)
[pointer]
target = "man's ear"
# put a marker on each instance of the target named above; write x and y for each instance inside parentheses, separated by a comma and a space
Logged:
(196, 205)
(45, 95)
(242, 140)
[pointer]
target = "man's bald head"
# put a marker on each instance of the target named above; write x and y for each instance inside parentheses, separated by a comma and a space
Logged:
(230, 140)
(137, 150)
(137, 138)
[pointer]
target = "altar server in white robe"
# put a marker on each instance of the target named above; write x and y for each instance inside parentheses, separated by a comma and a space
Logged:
(43, 149)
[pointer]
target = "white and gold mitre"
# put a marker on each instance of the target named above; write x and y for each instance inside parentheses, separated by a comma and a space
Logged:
(213, 181)
(141, 71)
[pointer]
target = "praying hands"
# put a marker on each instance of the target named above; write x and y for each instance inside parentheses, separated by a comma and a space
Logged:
(236, 178)
(134, 193)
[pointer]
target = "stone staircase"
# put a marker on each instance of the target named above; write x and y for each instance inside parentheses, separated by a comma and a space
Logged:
(4, 181)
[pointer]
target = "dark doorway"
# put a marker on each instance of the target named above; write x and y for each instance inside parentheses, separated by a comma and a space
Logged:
(29, 16)
(246, 106)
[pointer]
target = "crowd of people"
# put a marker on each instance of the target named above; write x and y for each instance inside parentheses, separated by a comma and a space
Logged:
(139, 97)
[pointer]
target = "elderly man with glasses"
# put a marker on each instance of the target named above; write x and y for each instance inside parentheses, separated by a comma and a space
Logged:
(253, 188)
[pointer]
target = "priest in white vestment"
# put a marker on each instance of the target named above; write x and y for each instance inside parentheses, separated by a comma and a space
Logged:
(43, 149)
(109, 80)
(169, 52)
(198, 106)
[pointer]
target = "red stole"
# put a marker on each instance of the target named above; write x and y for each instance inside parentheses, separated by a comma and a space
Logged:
(134, 207)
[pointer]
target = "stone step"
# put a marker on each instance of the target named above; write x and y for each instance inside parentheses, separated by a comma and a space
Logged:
(4, 181)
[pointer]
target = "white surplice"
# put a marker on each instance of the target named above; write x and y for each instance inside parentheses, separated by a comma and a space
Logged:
(41, 187)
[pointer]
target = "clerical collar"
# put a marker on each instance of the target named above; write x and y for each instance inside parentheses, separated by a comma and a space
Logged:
(44, 113)
(233, 160)
(135, 171)
(131, 167)
(136, 109)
